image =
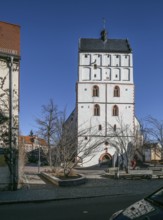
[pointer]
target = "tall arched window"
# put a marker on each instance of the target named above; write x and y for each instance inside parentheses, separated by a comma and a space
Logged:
(116, 91)
(115, 110)
(96, 110)
(95, 91)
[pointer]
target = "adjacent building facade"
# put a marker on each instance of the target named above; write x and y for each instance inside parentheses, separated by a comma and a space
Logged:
(104, 94)
(9, 97)
(33, 143)
(152, 152)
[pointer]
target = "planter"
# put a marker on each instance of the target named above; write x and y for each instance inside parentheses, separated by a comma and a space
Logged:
(64, 182)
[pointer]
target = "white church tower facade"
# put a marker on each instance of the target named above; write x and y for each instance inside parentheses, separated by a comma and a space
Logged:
(104, 93)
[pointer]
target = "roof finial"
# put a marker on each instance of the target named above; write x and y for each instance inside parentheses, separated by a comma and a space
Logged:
(104, 32)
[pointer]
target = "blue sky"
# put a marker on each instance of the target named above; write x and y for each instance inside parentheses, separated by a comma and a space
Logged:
(50, 30)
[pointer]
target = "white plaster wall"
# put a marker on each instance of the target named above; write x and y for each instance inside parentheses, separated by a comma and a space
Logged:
(126, 114)
(93, 158)
(85, 92)
(110, 67)
(106, 59)
(126, 93)
(106, 74)
(4, 100)
(4, 73)
(97, 59)
(111, 70)
(106, 93)
(96, 74)
(125, 60)
(87, 120)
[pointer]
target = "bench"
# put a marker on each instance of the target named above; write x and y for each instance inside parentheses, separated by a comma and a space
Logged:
(112, 170)
(141, 173)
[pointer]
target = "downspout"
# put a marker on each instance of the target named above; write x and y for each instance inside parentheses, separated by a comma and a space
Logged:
(12, 177)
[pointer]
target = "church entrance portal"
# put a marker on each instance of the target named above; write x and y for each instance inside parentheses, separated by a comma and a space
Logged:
(105, 159)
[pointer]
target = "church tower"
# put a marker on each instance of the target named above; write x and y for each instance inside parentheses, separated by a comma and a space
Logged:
(104, 90)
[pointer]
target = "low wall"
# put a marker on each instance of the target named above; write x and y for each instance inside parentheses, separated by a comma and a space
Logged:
(4, 177)
(59, 182)
(4, 172)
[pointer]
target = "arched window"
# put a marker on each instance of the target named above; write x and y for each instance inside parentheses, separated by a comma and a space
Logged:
(95, 91)
(115, 110)
(96, 110)
(116, 91)
(115, 127)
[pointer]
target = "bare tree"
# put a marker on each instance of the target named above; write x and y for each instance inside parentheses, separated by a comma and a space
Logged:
(123, 139)
(78, 147)
(154, 129)
(74, 147)
(47, 124)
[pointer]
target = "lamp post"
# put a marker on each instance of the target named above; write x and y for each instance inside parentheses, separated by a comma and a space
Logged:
(39, 161)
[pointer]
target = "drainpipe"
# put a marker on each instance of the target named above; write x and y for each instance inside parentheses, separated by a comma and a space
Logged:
(11, 123)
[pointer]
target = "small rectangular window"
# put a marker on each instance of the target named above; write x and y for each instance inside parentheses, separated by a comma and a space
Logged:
(86, 55)
(95, 66)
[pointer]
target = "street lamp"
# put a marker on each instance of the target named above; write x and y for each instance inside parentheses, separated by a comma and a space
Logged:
(39, 161)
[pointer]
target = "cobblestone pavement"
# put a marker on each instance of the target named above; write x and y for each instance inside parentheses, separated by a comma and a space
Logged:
(39, 189)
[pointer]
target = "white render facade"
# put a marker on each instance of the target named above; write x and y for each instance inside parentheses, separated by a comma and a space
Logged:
(9, 103)
(104, 92)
